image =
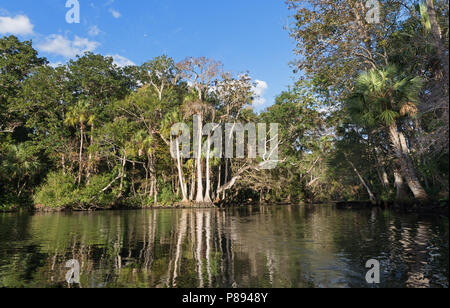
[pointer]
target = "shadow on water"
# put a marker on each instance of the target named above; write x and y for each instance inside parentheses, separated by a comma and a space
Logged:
(279, 246)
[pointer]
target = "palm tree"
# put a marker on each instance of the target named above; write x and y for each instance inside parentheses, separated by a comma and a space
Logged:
(141, 144)
(382, 97)
(20, 164)
(80, 115)
(194, 105)
(169, 120)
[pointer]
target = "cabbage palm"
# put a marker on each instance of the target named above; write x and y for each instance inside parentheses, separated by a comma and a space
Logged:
(170, 119)
(80, 115)
(381, 98)
(20, 164)
(193, 105)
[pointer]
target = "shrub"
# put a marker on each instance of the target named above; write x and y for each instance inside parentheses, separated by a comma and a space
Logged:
(58, 191)
(167, 196)
(91, 194)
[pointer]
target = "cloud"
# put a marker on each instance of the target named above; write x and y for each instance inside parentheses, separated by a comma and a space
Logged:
(55, 64)
(59, 45)
(114, 13)
(121, 61)
(94, 31)
(19, 25)
(259, 89)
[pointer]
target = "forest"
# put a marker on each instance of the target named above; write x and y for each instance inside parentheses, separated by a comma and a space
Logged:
(366, 120)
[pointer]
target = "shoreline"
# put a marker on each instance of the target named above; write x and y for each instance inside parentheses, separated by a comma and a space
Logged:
(435, 208)
(413, 207)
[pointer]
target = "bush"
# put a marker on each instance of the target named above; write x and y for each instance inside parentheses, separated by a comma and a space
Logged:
(91, 194)
(58, 191)
(166, 195)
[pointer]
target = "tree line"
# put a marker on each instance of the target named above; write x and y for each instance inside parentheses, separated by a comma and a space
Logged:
(367, 119)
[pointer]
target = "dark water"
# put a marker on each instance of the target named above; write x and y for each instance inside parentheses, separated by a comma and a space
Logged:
(289, 246)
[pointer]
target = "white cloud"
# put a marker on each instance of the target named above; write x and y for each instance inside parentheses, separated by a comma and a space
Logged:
(94, 31)
(56, 64)
(19, 25)
(121, 61)
(59, 45)
(259, 89)
(114, 13)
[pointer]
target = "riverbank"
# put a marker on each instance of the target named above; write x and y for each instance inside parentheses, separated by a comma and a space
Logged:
(121, 207)
(432, 208)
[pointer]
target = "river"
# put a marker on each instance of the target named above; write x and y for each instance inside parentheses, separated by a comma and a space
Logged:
(261, 247)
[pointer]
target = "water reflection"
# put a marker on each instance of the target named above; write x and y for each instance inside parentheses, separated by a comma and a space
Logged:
(290, 246)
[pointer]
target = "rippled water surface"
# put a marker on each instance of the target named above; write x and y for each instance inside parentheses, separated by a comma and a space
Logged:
(279, 246)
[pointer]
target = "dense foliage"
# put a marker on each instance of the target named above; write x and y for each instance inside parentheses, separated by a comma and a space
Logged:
(368, 119)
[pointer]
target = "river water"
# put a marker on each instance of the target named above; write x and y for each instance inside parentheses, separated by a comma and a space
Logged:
(262, 247)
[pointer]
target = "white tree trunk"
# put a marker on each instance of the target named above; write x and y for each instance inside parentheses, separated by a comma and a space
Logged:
(363, 182)
(406, 167)
(199, 197)
(208, 176)
(437, 37)
(180, 173)
(80, 170)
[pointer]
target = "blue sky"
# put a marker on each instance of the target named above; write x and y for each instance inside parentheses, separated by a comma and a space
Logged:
(245, 35)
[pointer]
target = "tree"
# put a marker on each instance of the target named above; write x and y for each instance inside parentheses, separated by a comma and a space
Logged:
(335, 42)
(200, 74)
(383, 96)
(21, 163)
(80, 115)
(171, 119)
(17, 61)
(43, 105)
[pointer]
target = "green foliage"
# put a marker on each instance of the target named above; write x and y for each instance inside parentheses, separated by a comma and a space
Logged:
(91, 194)
(383, 74)
(167, 196)
(104, 131)
(58, 191)
(382, 96)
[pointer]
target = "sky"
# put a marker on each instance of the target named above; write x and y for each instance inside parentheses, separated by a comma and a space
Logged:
(245, 35)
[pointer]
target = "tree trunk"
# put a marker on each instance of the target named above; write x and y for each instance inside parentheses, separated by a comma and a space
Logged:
(155, 191)
(180, 173)
(122, 174)
(386, 182)
(199, 197)
(208, 176)
(219, 175)
(89, 168)
(406, 167)
(63, 163)
(191, 194)
(384, 178)
(399, 185)
(369, 191)
(153, 182)
(80, 169)
(226, 178)
(437, 37)
(148, 178)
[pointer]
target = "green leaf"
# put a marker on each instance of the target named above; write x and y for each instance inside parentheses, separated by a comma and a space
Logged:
(388, 116)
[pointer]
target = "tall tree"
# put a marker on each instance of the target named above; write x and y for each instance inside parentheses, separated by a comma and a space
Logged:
(383, 96)
(80, 115)
(17, 61)
(200, 74)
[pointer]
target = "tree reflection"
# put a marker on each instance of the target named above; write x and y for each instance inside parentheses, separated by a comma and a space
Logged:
(291, 246)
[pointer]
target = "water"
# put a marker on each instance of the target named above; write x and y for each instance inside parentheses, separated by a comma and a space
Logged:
(279, 246)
